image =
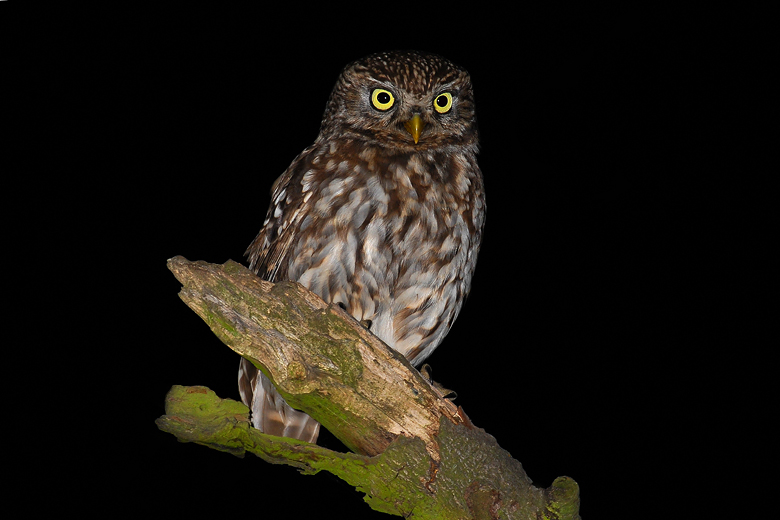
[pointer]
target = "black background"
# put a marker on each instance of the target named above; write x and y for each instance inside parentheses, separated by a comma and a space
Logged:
(590, 344)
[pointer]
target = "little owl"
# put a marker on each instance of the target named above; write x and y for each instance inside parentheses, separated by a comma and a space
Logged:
(382, 215)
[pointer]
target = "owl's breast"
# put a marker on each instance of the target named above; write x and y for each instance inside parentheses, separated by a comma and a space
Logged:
(392, 239)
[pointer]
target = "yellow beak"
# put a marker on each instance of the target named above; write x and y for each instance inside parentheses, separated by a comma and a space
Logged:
(415, 127)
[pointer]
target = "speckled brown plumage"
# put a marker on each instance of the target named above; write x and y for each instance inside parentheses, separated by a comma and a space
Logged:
(382, 214)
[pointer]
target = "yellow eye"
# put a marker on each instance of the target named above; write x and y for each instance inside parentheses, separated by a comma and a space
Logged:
(382, 99)
(443, 103)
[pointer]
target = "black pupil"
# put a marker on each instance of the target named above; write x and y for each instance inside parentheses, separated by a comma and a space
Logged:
(441, 101)
(383, 97)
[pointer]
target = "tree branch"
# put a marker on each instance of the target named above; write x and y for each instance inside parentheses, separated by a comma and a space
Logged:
(416, 454)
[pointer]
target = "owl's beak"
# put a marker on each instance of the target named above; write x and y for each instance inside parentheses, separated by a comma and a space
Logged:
(415, 127)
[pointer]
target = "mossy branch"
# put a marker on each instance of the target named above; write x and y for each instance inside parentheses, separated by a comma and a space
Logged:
(416, 454)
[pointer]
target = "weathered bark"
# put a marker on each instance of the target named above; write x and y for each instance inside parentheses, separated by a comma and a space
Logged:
(416, 454)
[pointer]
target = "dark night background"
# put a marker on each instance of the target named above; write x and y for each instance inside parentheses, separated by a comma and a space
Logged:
(588, 344)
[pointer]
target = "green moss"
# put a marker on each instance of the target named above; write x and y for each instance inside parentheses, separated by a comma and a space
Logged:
(219, 324)
(232, 267)
(338, 342)
(196, 414)
(563, 500)
(332, 417)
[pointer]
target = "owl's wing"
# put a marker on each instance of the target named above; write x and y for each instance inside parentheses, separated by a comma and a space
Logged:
(269, 251)
(268, 257)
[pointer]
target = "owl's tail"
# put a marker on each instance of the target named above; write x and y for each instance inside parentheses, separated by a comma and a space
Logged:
(270, 413)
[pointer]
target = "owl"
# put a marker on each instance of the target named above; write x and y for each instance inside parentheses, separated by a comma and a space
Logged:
(382, 215)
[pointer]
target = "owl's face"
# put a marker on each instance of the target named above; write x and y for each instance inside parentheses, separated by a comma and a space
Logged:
(403, 101)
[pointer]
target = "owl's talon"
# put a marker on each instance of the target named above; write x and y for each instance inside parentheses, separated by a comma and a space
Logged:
(446, 393)
(366, 324)
(425, 371)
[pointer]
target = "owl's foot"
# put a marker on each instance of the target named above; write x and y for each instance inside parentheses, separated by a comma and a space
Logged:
(425, 371)
(446, 393)
(366, 323)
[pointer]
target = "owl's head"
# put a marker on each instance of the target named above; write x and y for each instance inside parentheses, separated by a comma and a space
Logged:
(403, 101)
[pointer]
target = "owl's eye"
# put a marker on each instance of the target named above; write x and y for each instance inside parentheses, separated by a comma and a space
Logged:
(382, 99)
(443, 103)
